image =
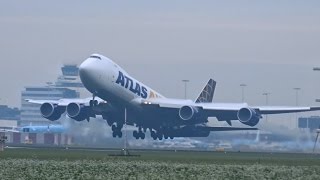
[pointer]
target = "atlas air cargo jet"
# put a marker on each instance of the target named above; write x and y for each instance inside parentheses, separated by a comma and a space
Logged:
(121, 99)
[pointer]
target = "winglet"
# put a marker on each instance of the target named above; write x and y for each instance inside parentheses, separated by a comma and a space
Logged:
(207, 93)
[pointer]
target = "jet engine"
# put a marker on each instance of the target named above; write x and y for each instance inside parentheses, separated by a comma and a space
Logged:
(51, 111)
(187, 112)
(248, 116)
(78, 112)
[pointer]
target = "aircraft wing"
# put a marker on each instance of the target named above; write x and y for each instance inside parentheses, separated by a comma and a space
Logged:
(229, 111)
(284, 109)
(223, 111)
(80, 109)
(64, 102)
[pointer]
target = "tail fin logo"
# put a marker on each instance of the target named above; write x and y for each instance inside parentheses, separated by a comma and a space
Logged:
(206, 95)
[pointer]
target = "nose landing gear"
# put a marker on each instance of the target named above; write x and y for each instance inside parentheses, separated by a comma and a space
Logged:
(93, 102)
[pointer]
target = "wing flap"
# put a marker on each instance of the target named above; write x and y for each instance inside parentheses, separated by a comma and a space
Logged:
(222, 111)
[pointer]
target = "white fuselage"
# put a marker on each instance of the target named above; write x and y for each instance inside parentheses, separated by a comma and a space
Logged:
(104, 78)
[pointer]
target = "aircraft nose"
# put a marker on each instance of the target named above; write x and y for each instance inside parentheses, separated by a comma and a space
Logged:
(87, 73)
(85, 69)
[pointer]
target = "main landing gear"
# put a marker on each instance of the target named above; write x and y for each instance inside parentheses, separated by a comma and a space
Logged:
(156, 135)
(139, 134)
(160, 134)
(116, 131)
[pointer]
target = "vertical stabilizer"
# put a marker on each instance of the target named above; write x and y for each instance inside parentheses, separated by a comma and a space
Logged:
(207, 93)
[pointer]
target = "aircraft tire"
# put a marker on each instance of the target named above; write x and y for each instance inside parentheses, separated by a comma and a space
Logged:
(120, 134)
(142, 135)
(153, 135)
(95, 103)
(114, 134)
(135, 134)
(154, 138)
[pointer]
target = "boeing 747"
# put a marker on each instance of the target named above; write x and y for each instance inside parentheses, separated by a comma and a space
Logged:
(121, 99)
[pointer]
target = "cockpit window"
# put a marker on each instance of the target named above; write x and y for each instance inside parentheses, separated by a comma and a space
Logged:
(96, 57)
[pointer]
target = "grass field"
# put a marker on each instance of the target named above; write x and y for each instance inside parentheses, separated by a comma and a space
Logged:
(84, 164)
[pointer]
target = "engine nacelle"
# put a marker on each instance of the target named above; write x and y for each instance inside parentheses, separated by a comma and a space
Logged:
(78, 112)
(187, 112)
(248, 116)
(51, 111)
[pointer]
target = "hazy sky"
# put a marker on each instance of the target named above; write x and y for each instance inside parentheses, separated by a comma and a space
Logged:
(269, 45)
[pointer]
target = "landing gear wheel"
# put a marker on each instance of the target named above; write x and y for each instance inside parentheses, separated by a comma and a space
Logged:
(120, 134)
(154, 135)
(139, 134)
(154, 138)
(142, 135)
(93, 103)
(135, 134)
(160, 136)
(114, 134)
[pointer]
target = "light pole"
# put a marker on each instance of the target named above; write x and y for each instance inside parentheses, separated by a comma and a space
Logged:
(267, 102)
(185, 87)
(242, 91)
(317, 69)
(267, 97)
(297, 89)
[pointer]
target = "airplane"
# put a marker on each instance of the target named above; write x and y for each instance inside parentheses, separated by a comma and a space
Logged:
(43, 129)
(121, 99)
